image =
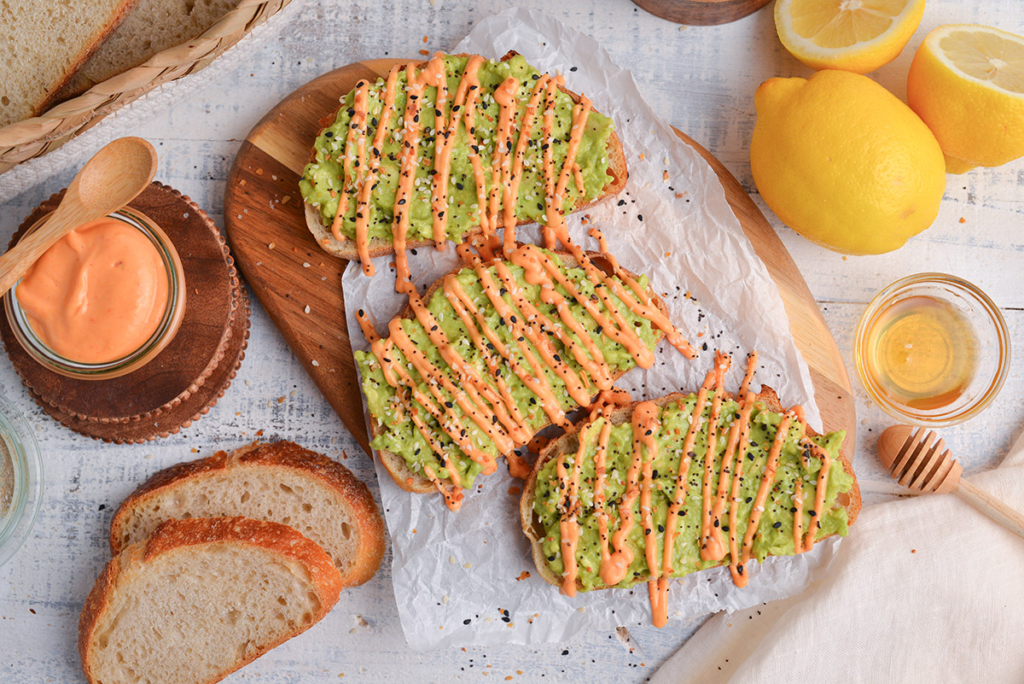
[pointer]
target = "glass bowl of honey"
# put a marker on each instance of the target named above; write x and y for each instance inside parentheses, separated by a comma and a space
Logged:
(932, 349)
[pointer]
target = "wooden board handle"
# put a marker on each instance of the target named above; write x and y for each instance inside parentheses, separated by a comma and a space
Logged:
(992, 507)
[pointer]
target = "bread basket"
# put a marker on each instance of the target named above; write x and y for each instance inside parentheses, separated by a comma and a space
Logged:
(36, 136)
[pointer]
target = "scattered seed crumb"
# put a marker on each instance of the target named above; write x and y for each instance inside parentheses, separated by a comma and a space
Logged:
(316, 363)
(425, 39)
(913, 550)
(642, 155)
(306, 310)
(425, 53)
(305, 264)
(445, 599)
(963, 220)
(514, 491)
(468, 566)
(286, 199)
(581, 609)
(259, 172)
(451, 559)
(280, 400)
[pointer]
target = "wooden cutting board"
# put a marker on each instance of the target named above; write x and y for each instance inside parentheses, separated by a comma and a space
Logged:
(299, 284)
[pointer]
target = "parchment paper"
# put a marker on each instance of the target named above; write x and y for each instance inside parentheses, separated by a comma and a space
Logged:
(458, 577)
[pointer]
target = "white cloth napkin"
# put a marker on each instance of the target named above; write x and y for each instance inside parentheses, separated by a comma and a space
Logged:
(924, 590)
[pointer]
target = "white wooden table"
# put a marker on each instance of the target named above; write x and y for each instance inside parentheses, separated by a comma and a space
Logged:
(701, 80)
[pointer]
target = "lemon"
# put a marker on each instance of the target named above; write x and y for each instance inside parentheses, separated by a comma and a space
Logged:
(967, 83)
(852, 35)
(844, 162)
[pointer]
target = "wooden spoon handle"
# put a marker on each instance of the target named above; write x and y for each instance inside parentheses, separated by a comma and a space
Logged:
(18, 260)
(992, 507)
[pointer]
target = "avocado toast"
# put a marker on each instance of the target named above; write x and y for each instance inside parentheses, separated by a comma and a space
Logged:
(443, 158)
(598, 517)
(496, 351)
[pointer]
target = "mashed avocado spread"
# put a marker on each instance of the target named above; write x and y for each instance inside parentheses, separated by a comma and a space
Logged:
(322, 178)
(395, 429)
(775, 530)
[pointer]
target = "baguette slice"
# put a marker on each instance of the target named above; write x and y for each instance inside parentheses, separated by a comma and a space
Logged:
(200, 599)
(396, 466)
(43, 44)
(153, 25)
(279, 482)
(567, 443)
(617, 168)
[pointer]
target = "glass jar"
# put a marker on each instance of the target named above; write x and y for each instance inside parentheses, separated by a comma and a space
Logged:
(161, 337)
(21, 480)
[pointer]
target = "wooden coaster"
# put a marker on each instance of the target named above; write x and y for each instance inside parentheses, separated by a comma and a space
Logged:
(701, 12)
(190, 374)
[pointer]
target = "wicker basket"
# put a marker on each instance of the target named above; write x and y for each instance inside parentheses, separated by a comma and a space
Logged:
(39, 135)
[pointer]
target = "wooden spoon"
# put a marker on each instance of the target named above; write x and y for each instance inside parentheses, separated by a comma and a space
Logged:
(109, 181)
(917, 459)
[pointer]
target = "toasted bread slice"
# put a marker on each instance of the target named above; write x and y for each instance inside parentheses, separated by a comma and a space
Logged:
(43, 45)
(201, 598)
(396, 466)
(569, 443)
(278, 482)
(617, 168)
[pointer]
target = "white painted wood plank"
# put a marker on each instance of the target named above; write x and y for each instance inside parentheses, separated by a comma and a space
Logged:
(700, 79)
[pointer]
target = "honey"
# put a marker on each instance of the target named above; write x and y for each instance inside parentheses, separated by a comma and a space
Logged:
(921, 352)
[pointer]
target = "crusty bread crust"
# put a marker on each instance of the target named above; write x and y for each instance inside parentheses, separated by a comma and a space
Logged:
(396, 466)
(54, 93)
(568, 443)
(176, 534)
(346, 249)
(369, 527)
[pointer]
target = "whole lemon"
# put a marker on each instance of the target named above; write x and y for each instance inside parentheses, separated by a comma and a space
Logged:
(844, 163)
(967, 83)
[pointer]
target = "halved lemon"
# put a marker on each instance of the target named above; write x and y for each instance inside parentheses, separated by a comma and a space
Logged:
(967, 83)
(852, 35)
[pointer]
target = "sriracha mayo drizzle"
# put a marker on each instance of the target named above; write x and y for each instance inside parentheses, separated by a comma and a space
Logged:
(617, 554)
(711, 542)
(568, 490)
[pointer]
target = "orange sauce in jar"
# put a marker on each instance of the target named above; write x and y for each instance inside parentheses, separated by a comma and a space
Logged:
(98, 295)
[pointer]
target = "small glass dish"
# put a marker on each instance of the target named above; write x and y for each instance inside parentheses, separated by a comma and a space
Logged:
(165, 332)
(989, 355)
(21, 480)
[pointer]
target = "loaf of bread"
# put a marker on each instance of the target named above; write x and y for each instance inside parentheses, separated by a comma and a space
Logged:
(153, 25)
(200, 599)
(42, 45)
(279, 482)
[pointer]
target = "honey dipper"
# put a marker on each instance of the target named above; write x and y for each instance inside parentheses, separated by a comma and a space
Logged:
(916, 458)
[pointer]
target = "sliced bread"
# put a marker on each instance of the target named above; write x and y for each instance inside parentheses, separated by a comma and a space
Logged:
(279, 482)
(200, 599)
(377, 246)
(42, 44)
(569, 443)
(396, 465)
(153, 25)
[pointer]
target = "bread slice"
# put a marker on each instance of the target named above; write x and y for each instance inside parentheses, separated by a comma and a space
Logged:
(396, 466)
(379, 246)
(42, 44)
(278, 482)
(567, 443)
(200, 599)
(153, 25)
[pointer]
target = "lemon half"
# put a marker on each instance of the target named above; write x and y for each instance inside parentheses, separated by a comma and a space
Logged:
(967, 83)
(852, 35)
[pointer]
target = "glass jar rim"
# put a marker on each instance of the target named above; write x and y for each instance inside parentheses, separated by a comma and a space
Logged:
(16, 523)
(49, 358)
